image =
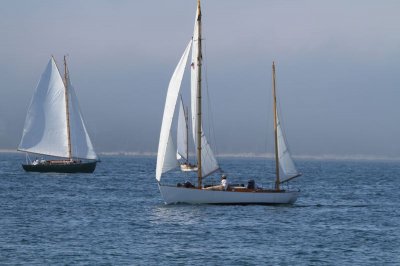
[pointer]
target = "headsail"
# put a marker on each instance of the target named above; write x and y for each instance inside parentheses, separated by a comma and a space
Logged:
(45, 129)
(182, 134)
(166, 156)
(209, 163)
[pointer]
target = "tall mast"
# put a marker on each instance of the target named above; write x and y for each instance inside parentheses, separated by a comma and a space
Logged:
(199, 58)
(66, 82)
(277, 181)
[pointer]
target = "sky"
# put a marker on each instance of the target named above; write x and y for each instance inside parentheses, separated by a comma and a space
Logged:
(338, 70)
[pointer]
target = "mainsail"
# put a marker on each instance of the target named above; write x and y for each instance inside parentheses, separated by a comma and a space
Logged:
(209, 163)
(182, 134)
(166, 156)
(285, 160)
(46, 130)
(81, 145)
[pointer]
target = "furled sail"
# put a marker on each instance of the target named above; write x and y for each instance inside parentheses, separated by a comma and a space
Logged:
(286, 163)
(182, 134)
(209, 163)
(45, 129)
(166, 156)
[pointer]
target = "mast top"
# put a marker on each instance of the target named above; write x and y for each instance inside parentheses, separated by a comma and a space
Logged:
(198, 10)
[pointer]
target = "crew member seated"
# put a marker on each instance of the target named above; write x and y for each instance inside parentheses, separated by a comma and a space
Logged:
(224, 184)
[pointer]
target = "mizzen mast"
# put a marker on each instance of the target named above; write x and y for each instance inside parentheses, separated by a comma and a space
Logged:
(199, 58)
(277, 181)
(66, 82)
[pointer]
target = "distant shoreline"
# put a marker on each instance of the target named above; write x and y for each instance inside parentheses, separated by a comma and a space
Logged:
(325, 157)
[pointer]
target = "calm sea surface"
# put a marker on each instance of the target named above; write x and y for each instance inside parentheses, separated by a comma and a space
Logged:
(348, 214)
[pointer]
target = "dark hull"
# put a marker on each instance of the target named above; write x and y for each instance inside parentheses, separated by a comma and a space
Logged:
(87, 167)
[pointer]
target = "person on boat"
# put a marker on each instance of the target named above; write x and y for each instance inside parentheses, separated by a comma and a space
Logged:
(224, 182)
(223, 186)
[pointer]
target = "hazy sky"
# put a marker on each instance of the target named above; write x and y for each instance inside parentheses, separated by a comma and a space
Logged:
(338, 69)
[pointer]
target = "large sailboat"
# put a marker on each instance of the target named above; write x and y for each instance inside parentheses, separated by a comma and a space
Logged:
(54, 130)
(182, 140)
(206, 162)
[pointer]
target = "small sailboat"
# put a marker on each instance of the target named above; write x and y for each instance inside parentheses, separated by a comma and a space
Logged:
(182, 140)
(206, 161)
(54, 127)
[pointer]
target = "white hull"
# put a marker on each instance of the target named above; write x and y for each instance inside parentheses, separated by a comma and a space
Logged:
(188, 168)
(172, 194)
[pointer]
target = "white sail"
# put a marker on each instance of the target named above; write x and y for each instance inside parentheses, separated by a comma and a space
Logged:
(209, 163)
(182, 134)
(81, 146)
(193, 79)
(166, 160)
(45, 129)
(286, 163)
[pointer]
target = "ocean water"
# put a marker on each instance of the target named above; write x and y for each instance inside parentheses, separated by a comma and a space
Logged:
(347, 214)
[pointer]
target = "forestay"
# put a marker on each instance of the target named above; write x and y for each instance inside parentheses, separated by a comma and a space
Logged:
(166, 156)
(209, 163)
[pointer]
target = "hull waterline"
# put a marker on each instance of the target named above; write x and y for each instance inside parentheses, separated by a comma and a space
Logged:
(87, 167)
(173, 195)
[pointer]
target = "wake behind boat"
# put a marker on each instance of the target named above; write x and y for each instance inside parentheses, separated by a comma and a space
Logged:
(206, 162)
(54, 127)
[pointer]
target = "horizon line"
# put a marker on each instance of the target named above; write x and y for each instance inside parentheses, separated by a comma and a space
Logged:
(353, 157)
